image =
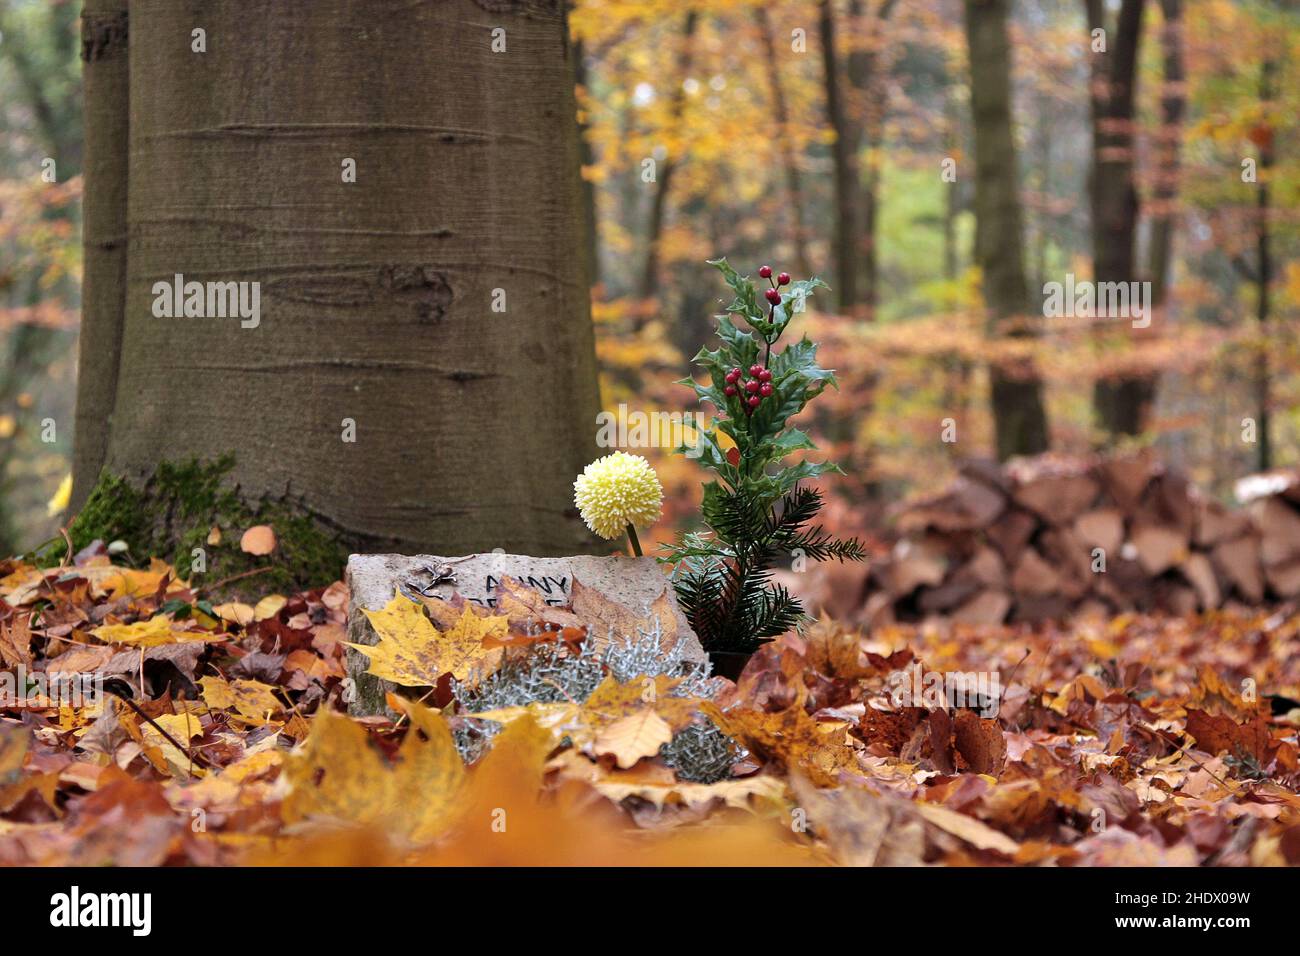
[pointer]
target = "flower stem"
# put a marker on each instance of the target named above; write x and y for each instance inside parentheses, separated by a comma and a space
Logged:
(636, 544)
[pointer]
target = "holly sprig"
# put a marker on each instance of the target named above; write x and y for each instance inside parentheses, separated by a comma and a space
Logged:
(756, 508)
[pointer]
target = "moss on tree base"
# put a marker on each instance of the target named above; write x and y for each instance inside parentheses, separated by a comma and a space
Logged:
(171, 516)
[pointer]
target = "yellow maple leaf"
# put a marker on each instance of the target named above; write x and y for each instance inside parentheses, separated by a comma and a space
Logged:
(338, 776)
(413, 653)
(794, 739)
(252, 699)
(151, 633)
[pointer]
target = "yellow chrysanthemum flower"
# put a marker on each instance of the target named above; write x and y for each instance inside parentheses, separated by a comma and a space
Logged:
(617, 491)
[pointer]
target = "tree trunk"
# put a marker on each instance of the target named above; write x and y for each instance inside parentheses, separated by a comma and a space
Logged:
(1020, 421)
(845, 169)
(789, 163)
(376, 296)
(104, 32)
(659, 205)
(870, 107)
(1122, 404)
(1164, 195)
(1264, 266)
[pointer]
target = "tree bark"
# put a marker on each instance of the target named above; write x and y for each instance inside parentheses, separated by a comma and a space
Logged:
(1122, 404)
(104, 45)
(789, 162)
(1020, 421)
(376, 295)
(844, 166)
(1164, 194)
(864, 77)
(1264, 266)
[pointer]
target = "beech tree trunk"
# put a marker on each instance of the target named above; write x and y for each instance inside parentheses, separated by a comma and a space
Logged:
(789, 163)
(1020, 421)
(104, 41)
(376, 296)
(1122, 404)
(844, 165)
(1264, 267)
(864, 72)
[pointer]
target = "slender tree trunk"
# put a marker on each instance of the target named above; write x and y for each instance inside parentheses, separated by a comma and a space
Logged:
(1122, 404)
(789, 162)
(1264, 266)
(1020, 421)
(104, 33)
(871, 101)
(1164, 195)
(377, 296)
(659, 205)
(844, 166)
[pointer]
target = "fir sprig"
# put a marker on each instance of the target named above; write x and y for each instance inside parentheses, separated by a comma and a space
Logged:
(756, 509)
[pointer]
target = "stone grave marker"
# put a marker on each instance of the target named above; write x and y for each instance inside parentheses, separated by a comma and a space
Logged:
(635, 583)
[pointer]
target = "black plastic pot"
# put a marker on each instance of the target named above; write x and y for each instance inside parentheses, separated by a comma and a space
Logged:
(729, 664)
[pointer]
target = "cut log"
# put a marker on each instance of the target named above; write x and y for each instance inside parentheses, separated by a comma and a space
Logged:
(1279, 528)
(1284, 579)
(1072, 560)
(1238, 562)
(1159, 547)
(1215, 523)
(914, 564)
(946, 596)
(1102, 528)
(1011, 533)
(1168, 502)
(966, 506)
(1058, 499)
(1199, 572)
(984, 567)
(986, 608)
(1033, 576)
(1125, 479)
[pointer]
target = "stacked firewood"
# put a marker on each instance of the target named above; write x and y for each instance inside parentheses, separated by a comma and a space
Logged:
(1051, 537)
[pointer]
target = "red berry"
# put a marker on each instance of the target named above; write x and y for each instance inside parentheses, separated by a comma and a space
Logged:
(756, 370)
(751, 386)
(765, 390)
(765, 375)
(730, 390)
(733, 456)
(754, 401)
(773, 296)
(765, 271)
(733, 376)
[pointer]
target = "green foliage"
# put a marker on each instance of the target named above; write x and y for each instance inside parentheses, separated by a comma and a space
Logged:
(756, 509)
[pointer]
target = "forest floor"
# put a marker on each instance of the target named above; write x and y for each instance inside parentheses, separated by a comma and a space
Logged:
(1134, 740)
